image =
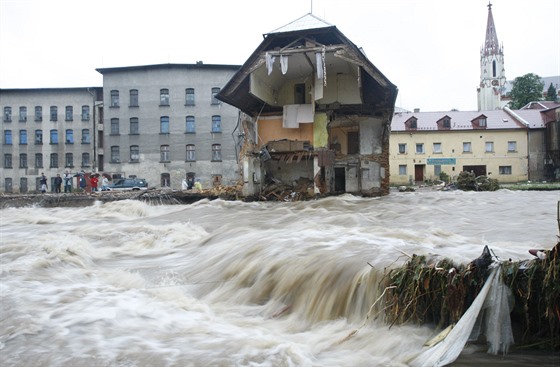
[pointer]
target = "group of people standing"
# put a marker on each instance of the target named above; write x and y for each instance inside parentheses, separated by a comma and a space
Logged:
(66, 179)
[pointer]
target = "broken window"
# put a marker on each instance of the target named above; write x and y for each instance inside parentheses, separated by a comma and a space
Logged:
(299, 94)
(353, 142)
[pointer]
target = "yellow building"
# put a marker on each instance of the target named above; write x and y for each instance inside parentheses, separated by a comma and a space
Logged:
(491, 143)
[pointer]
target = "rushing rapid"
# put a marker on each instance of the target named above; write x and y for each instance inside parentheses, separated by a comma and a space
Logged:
(221, 283)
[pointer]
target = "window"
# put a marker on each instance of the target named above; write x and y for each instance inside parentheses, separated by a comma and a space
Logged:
(189, 97)
(7, 114)
(54, 160)
(437, 147)
(23, 160)
(69, 161)
(402, 148)
(164, 153)
(505, 170)
(54, 113)
(23, 137)
(8, 186)
(482, 122)
(419, 148)
(165, 179)
(447, 122)
(114, 126)
(164, 97)
(85, 113)
(54, 136)
(437, 170)
(215, 92)
(191, 153)
(216, 153)
(69, 136)
(190, 127)
(134, 153)
(38, 136)
(512, 146)
(115, 154)
(85, 136)
(38, 113)
(8, 137)
(85, 160)
(467, 147)
(7, 161)
(114, 98)
(133, 98)
(38, 160)
(23, 114)
(414, 124)
(216, 124)
(134, 129)
(402, 169)
(489, 147)
(164, 125)
(69, 113)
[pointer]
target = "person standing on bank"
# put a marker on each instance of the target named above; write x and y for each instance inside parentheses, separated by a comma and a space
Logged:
(57, 183)
(43, 183)
(93, 181)
(67, 182)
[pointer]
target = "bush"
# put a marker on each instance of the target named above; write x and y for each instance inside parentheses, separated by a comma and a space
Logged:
(444, 177)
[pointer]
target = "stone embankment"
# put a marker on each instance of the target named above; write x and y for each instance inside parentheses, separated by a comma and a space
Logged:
(81, 199)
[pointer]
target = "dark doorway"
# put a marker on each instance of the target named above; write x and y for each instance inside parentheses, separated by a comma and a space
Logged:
(419, 172)
(339, 179)
(478, 170)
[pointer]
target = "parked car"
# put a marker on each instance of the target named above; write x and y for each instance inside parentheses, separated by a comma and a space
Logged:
(124, 184)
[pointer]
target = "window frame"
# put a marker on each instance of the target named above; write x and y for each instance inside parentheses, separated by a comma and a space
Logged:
(8, 160)
(23, 160)
(134, 152)
(489, 147)
(23, 137)
(133, 98)
(437, 148)
(216, 153)
(214, 92)
(505, 170)
(69, 136)
(8, 137)
(421, 150)
(22, 113)
(134, 128)
(190, 153)
(38, 137)
(114, 98)
(53, 113)
(38, 113)
(86, 136)
(115, 126)
(164, 97)
(190, 101)
(69, 160)
(164, 153)
(69, 113)
(85, 113)
(467, 144)
(164, 125)
(115, 154)
(403, 146)
(216, 123)
(53, 160)
(39, 160)
(403, 171)
(190, 124)
(53, 133)
(512, 146)
(7, 114)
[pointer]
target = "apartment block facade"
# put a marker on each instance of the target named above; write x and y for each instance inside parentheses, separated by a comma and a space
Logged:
(48, 130)
(491, 143)
(163, 123)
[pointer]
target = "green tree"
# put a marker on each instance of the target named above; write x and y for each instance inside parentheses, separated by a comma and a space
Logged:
(552, 94)
(526, 88)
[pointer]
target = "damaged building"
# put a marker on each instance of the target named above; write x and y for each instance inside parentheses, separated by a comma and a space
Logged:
(316, 113)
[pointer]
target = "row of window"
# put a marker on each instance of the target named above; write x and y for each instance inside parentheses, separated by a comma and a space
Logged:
(68, 161)
(502, 170)
(164, 125)
(165, 154)
(467, 147)
(164, 97)
(69, 137)
(68, 114)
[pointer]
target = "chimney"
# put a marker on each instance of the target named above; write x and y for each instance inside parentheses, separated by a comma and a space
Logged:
(416, 110)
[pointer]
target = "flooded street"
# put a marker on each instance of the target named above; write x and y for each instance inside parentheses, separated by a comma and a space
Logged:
(243, 284)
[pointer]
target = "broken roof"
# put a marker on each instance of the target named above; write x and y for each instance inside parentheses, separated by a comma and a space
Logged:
(309, 34)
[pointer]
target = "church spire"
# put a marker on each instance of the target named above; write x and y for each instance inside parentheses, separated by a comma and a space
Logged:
(491, 46)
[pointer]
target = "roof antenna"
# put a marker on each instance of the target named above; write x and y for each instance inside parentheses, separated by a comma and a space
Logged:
(311, 1)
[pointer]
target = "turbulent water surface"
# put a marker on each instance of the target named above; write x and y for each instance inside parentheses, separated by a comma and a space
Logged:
(242, 284)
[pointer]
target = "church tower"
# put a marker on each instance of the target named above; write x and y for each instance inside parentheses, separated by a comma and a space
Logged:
(492, 73)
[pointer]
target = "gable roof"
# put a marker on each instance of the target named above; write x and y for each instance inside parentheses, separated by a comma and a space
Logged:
(463, 120)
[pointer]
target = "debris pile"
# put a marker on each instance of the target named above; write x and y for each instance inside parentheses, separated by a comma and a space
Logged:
(439, 293)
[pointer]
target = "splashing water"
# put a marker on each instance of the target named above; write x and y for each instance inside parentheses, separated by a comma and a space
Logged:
(241, 284)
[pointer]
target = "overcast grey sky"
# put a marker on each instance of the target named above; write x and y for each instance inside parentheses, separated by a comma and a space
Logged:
(430, 49)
